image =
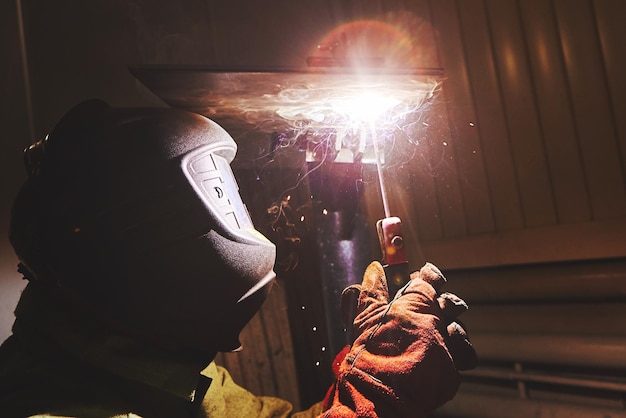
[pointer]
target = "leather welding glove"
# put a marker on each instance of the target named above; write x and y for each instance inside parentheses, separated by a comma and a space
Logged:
(404, 359)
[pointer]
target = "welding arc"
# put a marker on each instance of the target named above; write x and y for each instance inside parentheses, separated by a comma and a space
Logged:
(379, 169)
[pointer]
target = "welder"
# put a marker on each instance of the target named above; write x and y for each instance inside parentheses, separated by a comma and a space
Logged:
(142, 263)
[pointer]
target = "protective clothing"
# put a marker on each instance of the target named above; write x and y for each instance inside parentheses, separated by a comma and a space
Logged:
(127, 208)
(407, 350)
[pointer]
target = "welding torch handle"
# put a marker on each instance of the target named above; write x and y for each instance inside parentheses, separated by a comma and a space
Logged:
(395, 261)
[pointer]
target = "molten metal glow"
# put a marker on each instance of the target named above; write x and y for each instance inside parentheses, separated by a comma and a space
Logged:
(345, 106)
(351, 116)
(365, 107)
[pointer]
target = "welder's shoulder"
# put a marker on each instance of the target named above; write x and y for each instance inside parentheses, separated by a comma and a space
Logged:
(314, 411)
(227, 399)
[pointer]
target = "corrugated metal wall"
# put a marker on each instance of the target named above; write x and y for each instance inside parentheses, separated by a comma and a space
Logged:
(535, 145)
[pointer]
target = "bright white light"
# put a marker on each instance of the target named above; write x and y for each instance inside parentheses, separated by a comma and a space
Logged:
(346, 111)
(344, 104)
(364, 107)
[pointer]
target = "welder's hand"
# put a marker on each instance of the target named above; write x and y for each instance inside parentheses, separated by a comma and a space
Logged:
(405, 357)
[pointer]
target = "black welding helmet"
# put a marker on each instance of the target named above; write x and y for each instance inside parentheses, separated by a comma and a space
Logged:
(136, 214)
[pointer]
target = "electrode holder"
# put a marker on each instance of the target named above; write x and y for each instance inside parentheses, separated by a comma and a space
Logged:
(395, 261)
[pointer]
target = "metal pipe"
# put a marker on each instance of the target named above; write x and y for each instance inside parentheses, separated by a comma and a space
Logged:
(593, 319)
(595, 280)
(526, 376)
(572, 350)
(471, 404)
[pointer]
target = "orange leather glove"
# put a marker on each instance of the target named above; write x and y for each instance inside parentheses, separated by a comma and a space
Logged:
(405, 357)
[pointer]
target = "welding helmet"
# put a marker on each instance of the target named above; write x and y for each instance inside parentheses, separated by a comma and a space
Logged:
(135, 215)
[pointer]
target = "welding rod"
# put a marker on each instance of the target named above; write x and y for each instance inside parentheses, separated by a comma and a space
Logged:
(395, 261)
(379, 169)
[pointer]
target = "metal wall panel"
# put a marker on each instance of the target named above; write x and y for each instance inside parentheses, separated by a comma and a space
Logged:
(612, 32)
(585, 71)
(535, 108)
(521, 114)
(555, 112)
(423, 206)
(463, 142)
(442, 154)
(490, 119)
